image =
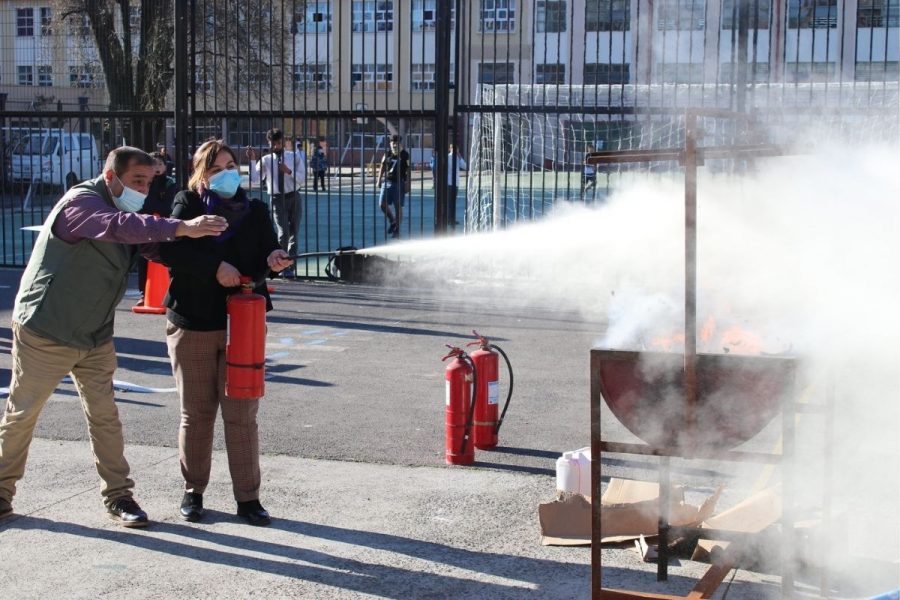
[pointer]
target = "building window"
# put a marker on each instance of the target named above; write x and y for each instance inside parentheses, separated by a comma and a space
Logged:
(550, 73)
(421, 77)
(24, 22)
(550, 17)
(46, 21)
(45, 76)
(812, 14)
(496, 73)
(681, 72)
(756, 72)
(371, 15)
(761, 8)
(607, 15)
(424, 14)
(314, 17)
(804, 72)
(202, 80)
(606, 73)
(685, 15)
(878, 13)
(83, 76)
(79, 26)
(878, 71)
(312, 76)
(134, 19)
(498, 15)
(26, 74)
(372, 76)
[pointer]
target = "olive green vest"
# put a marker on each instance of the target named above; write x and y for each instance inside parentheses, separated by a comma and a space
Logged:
(69, 292)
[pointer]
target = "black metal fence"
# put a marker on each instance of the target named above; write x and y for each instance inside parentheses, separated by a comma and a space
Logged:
(525, 88)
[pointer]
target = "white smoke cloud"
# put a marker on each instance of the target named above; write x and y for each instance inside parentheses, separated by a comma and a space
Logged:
(802, 251)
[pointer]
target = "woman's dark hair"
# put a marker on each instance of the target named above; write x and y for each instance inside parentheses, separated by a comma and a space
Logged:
(204, 158)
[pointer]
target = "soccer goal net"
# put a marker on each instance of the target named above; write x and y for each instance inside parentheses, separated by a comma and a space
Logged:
(528, 144)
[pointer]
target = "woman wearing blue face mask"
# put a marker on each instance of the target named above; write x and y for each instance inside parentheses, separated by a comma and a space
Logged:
(203, 275)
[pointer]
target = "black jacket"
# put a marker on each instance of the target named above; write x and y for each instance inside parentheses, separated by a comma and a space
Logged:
(395, 167)
(195, 300)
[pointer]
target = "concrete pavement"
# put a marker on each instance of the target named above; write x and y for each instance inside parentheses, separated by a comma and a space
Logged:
(352, 441)
(340, 530)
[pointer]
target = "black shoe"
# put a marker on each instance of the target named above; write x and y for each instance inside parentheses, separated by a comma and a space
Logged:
(192, 507)
(253, 512)
(392, 229)
(5, 509)
(127, 513)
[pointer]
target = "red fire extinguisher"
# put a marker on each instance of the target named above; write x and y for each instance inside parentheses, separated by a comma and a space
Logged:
(460, 377)
(487, 420)
(245, 348)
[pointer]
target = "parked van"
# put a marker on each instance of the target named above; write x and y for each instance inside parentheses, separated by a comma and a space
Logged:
(55, 157)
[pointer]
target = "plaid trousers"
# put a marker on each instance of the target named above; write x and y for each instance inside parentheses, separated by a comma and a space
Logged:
(198, 364)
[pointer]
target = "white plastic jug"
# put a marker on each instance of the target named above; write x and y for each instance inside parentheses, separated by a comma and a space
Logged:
(573, 472)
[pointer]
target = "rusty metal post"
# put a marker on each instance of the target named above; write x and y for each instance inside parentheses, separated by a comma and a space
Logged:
(596, 477)
(665, 482)
(690, 269)
(788, 519)
(181, 93)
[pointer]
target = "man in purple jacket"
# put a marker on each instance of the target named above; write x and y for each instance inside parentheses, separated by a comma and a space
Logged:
(64, 312)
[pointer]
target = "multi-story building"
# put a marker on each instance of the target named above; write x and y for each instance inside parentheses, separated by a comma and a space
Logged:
(379, 55)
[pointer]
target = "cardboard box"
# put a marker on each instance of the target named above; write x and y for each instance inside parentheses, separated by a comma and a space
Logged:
(628, 509)
(753, 515)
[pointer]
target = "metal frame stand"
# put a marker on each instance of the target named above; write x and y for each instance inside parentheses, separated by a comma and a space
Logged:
(691, 156)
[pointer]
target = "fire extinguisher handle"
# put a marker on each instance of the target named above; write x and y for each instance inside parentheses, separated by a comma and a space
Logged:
(455, 352)
(481, 341)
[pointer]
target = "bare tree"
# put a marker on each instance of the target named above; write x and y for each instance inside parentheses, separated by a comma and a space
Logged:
(240, 53)
(135, 47)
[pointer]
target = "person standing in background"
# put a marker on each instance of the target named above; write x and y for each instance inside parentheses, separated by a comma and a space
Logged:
(164, 155)
(392, 178)
(284, 172)
(455, 164)
(589, 174)
(319, 164)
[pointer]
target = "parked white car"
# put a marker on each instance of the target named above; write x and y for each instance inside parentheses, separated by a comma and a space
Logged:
(55, 157)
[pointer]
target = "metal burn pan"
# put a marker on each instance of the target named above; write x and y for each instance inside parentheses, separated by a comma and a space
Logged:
(737, 396)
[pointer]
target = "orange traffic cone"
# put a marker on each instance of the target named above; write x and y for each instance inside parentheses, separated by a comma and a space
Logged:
(155, 290)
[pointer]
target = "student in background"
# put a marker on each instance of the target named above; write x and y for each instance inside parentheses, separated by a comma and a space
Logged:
(392, 179)
(455, 164)
(284, 172)
(319, 164)
(588, 174)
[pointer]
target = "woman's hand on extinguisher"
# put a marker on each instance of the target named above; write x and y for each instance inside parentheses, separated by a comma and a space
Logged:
(227, 275)
(279, 260)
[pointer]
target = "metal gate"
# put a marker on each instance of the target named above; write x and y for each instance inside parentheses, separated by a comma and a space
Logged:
(524, 88)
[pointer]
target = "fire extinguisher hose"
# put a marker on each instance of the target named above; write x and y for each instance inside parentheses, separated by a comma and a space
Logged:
(467, 433)
(509, 393)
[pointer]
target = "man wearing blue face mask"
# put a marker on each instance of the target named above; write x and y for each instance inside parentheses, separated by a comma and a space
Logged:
(63, 318)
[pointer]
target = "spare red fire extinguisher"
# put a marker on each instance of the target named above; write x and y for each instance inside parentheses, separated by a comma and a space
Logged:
(460, 377)
(245, 347)
(486, 423)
